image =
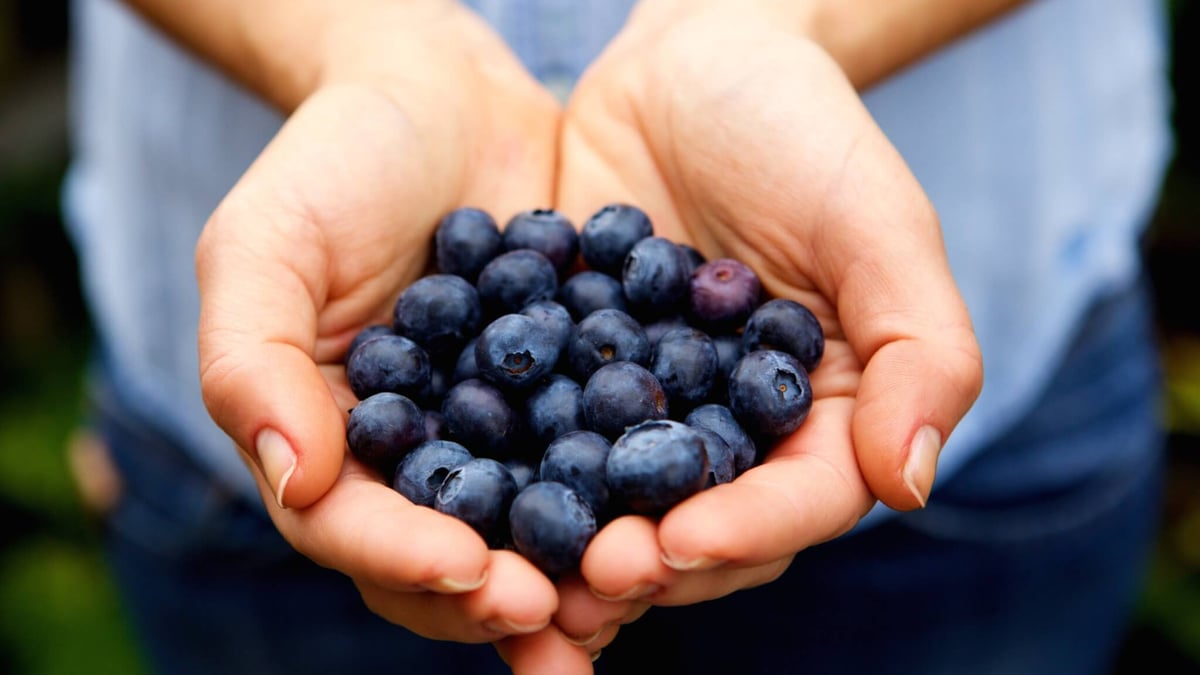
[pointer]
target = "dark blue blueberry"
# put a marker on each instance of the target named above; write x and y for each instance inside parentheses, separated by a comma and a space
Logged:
(435, 426)
(608, 236)
(479, 493)
(723, 294)
(513, 352)
(478, 416)
(382, 428)
(421, 473)
(522, 471)
(465, 367)
(695, 258)
(440, 312)
(620, 395)
(551, 526)
(606, 336)
(587, 291)
(786, 326)
(655, 277)
(578, 460)
(729, 351)
(720, 458)
(439, 384)
(366, 334)
(685, 362)
(388, 363)
(515, 279)
(655, 465)
(554, 408)
(769, 393)
(465, 241)
(659, 327)
(546, 231)
(554, 319)
(719, 419)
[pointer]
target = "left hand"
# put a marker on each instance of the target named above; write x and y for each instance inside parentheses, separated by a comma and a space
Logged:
(747, 140)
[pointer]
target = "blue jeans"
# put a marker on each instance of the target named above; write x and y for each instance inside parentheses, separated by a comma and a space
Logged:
(1036, 576)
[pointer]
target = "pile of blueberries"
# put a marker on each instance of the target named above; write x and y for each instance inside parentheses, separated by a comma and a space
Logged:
(544, 380)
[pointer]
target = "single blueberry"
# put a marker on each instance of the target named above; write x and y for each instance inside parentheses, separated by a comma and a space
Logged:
(769, 393)
(695, 258)
(435, 426)
(659, 327)
(578, 460)
(465, 241)
(552, 318)
(421, 473)
(551, 526)
(513, 352)
(479, 493)
(524, 472)
(720, 458)
(440, 312)
(603, 337)
(655, 277)
(465, 368)
(554, 408)
(608, 236)
(729, 351)
(723, 294)
(655, 465)
(786, 326)
(478, 416)
(685, 363)
(587, 291)
(546, 231)
(388, 363)
(719, 419)
(620, 395)
(515, 279)
(365, 334)
(382, 428)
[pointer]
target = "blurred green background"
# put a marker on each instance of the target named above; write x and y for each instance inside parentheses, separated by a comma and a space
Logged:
(59, 613)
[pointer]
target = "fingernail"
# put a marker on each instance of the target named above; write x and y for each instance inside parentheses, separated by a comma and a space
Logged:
(448, 585)
(632, 594)
(596, 654)
(510, 628)
(921, 465)
(701, 563)
(581, 641)
(277, 459)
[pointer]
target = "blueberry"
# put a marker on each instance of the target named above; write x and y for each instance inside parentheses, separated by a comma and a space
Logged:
(551, 526)
(685, 363)
(578, 460)
(421, 473)
(513, 352)
(655, 465)
(522, 471)
(382, 428)
(546, 231)
(439, 384)
(479, 493)
(552, 318)
(729, 351)
(466, 240)
(659, 327)
(655, 277)
(478, 416)
(587, 291)
(621, 395)
(769, 393)
(786, 326)
(695, 258)
(515, 279)
(606, 336)
(435, 426)
(720, 458)
(440, 312)
(388, 363)
(608, 236)
(465, 367)
(554, 408)
(365, 334)
(723, 293)
(719, 419)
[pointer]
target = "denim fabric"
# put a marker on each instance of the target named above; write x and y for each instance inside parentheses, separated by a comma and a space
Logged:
(985, 580)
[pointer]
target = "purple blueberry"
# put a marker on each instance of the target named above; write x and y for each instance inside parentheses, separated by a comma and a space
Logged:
(478, 416)
(655, 277)
(554, 408)
(723, 293)
(421, 473)
(546, 231)
(513, 352)
(786, 326)
(655, 465)
(578, 460)
(440, 312)
(603, 337)
(382, 428)
(685, 363)
(588, 290)
(365, 334)
(719, 419)
(479, 493)
(466, 240)
(608, 236)
(388, 363)
(620, 395)
(551, 526)
(515, 279)
(769, 393)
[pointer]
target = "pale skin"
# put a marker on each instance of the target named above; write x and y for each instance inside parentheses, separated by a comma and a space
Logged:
(736, 124)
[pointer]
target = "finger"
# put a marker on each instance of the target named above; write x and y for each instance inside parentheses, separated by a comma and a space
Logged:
(582, 616)
(546, 652)
(515, 600)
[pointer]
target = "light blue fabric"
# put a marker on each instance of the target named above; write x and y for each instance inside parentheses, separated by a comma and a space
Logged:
(1041, 141)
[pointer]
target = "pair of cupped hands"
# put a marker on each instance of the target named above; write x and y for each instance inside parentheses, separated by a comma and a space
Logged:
(738, 135)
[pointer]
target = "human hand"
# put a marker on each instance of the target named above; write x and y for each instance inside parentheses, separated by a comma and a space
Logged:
(743, 137)
(419, 109)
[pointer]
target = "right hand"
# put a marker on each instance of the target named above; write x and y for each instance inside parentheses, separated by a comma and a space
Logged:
(419, 109)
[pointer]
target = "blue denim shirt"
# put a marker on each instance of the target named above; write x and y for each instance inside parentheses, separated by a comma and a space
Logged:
(1041, 141)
